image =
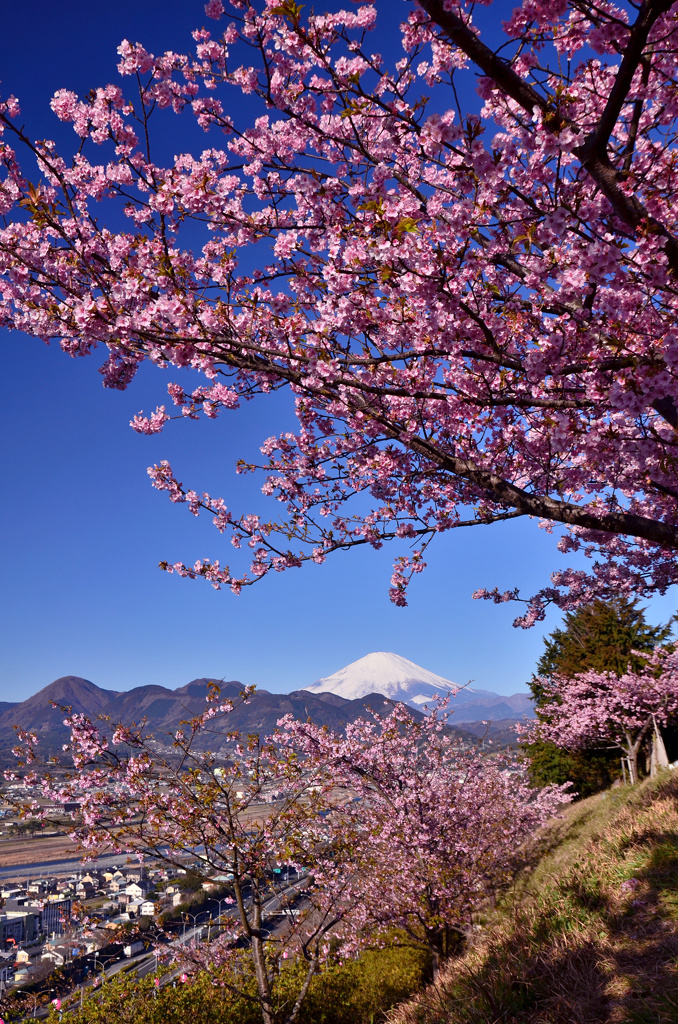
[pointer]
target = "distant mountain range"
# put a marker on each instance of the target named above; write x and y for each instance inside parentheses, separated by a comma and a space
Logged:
(373, 682)
(165, 709)
(401, 680)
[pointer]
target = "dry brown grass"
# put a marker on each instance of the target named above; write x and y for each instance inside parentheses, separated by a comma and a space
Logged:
(589, 933)
(21, 851)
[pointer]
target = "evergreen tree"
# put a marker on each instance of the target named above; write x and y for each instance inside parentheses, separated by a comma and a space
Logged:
(604, 636)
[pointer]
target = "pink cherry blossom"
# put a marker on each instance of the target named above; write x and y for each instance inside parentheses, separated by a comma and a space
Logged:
(472, 311)
(433, 829)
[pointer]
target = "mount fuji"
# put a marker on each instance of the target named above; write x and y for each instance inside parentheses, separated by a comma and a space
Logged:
(401, 680)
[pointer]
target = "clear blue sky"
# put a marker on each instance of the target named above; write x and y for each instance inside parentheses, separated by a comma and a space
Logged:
(83, 531)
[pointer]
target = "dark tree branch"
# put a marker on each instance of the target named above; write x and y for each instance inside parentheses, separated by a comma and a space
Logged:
(666, 408)
(633, 54)
(592, 152)
(489, 63)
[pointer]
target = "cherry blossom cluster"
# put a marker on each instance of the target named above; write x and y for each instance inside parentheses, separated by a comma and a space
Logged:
(473, 311)
(432, 829)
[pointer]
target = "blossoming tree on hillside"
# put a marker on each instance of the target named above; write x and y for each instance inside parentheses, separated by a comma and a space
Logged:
(170, 799)
(433, 829)
(474, 310)
(602, 636)
(609, 709)
(396, 826)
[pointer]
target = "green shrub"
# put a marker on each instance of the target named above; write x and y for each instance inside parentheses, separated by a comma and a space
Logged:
(354, 992)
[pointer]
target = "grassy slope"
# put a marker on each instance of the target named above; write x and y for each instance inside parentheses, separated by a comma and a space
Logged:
(590, 932)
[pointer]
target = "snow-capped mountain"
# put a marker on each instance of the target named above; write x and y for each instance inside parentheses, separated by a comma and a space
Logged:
(400, 679)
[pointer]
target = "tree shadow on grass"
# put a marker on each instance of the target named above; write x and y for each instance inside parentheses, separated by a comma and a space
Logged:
(646, 934)
(517, 984)
(637, 951)
(592, 936)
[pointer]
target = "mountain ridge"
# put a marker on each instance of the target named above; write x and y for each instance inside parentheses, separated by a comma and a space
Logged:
(165, 709)
(378, 679)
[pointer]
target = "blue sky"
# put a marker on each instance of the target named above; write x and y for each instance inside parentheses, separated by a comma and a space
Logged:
(83, 531)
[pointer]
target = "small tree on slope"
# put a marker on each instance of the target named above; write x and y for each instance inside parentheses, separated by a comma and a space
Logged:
(474, 311)
(432, 830)
(605, 636)
(238, 814)
(601, 707)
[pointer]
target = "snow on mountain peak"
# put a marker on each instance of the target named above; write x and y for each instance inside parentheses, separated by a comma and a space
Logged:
(401, 680)
(383, 672)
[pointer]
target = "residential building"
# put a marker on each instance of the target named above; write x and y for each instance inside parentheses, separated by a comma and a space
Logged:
(17, 927)
(54, 914)
(137, 890)
(7, 961)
